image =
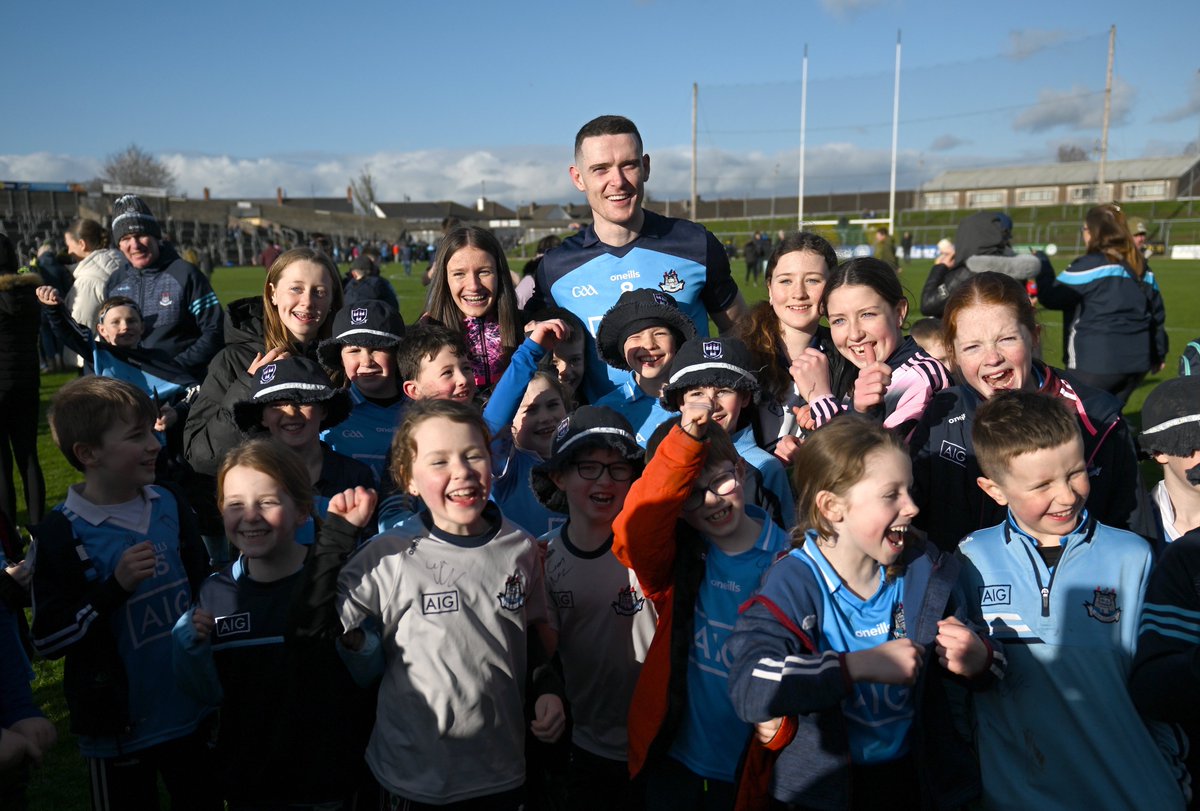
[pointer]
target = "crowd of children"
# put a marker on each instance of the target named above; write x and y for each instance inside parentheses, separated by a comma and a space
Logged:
(813, 567)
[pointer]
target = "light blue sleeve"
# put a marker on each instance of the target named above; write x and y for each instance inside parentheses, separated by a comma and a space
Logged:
(366, 664)
(510, 389)
(192, 662)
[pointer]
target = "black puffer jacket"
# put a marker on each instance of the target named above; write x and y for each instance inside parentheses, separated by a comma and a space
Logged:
(20, 317)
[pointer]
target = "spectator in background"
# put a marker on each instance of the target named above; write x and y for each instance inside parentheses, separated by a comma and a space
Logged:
(906, 247)
(406, 257)
(750, 253)
(269, 254)
(88, 244)
(366, 285)
(1115, 330)
(982, 242)
(56, 275)
(20, 317)
(528, 282)
(885, 247)
(1138, 229)
(180, 311)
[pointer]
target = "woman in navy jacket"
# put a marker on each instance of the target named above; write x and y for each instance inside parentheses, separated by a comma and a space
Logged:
(1113, 316)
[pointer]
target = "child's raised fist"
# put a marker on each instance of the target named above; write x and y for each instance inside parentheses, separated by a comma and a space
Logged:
(355, 506)
(47, 295)
(959, 649)
(894, 662)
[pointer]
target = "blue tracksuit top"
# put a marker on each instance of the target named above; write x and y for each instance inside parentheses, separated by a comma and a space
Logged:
(366, 435)
(645, 413)
(774, 477)
(586, 276)
(1060, 730)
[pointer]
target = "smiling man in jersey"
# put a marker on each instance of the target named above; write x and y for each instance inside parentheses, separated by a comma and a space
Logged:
(627, 247)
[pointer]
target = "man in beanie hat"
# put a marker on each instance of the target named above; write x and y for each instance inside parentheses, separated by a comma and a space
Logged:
(640, 335)
(180, 311)
(1171, 436)
(363, 348)
(628, 247)
(601, 616)
(294, 400)
(719, 371)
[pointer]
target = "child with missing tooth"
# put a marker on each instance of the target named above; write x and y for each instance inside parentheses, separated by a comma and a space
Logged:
(641, 333)
(114, 567)
(1063, 594)
(287, 705)
(451, 592)
(699, 551)
(850, 639)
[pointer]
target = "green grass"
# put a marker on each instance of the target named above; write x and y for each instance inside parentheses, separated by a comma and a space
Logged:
(62, 781)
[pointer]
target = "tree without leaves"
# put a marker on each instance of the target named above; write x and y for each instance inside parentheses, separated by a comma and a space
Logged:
(363, 189)
(134, 166)
(1072, 153)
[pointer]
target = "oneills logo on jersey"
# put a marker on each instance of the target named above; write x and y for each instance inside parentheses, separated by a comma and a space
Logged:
(628, 602)
(671, 283)
(1103, 606)
(513, 596)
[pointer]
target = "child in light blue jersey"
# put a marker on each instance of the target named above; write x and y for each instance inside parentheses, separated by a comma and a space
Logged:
(641, 334)
(114, 566)
(1063, 594)
(363, 350)
(532, 403)
(717, 371)
(851, 636)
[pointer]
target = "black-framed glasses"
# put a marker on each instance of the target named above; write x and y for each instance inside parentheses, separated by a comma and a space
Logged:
(617, 471)
(721, 485)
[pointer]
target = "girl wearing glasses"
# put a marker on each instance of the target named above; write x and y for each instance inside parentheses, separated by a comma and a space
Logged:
(699, 551)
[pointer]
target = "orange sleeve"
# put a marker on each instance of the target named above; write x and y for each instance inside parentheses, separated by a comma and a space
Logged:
(644, 531)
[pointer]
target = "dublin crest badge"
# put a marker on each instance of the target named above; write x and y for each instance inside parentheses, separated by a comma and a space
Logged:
(671, 283)
(513, 596)
(628, 602)
(1103, 606)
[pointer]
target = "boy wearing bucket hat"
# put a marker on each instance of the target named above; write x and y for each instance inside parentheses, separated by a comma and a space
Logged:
(1171, 437)
(294, 400)
(600, 615)
(719, 371)
(363, 348)
(641, 335)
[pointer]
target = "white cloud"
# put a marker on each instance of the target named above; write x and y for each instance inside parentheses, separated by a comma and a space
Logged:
(1024, 43)
(1077, 108)
(844, 8)
(944, 143)
(1189, 108)
(48, 167)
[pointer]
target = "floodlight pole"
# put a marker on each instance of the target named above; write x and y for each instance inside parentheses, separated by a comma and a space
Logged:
(1112, 41)
(895, 141)
(803, 135)
(695, 103)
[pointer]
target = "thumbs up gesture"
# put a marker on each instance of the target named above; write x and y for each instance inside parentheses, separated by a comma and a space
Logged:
(872, 383)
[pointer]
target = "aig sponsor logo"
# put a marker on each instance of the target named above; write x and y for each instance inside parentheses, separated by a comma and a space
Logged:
(953, 453)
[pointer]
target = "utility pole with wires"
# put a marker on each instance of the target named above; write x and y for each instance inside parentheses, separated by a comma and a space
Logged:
(1101, 195)
(695, 102)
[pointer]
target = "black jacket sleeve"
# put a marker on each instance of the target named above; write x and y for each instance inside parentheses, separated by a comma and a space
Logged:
(1166, 673)
(210, 430)
(314, 611)
(75, 336)
(67, 608)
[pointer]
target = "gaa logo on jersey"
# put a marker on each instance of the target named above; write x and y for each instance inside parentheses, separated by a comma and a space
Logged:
(583, 291)
(268, 373)
(513, 596)
(358, 315)
(712, 349)
(1103, 606)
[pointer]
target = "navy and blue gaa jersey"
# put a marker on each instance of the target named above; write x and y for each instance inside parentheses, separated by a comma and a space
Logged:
(586, 276)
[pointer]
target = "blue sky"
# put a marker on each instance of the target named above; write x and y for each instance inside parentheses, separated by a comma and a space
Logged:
(437, 98)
